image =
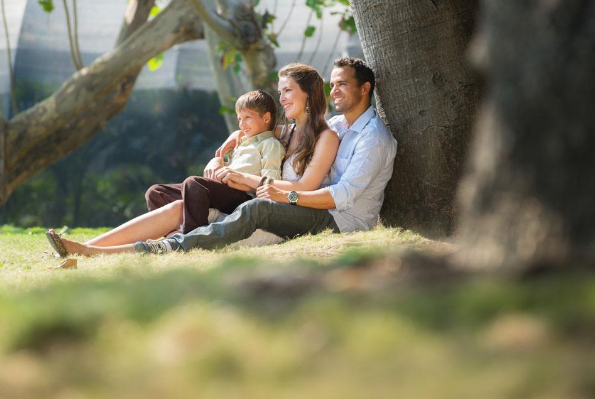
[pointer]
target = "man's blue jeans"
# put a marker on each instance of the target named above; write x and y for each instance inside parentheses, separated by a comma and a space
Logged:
(284, 220)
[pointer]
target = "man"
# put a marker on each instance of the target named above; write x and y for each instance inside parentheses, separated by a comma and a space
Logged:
(358, 176)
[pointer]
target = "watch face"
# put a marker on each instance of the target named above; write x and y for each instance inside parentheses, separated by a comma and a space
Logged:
(292, 197)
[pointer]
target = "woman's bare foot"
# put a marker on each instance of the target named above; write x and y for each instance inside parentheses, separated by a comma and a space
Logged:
(76, 248)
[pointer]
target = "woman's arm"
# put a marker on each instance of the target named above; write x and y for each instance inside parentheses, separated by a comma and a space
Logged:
(229, 144)
(320, 165)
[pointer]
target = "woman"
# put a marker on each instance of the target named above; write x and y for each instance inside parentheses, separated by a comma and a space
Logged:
(311, 150)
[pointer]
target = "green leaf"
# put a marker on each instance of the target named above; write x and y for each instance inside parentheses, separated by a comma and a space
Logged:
(273, 39)
(48, 5)
(226, 110)
(256, 2)
(347, 24)
(273, 76)
(155, 62)
(155, 11)
(309, 31)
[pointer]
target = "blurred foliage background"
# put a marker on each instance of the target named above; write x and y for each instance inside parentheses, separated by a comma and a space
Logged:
(163, 136)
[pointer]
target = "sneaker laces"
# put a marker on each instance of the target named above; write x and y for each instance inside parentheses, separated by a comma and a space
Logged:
(161, 246)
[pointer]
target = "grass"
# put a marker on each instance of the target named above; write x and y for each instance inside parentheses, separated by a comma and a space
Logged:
(313, 317)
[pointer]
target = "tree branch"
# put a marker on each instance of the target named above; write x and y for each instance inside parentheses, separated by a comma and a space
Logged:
(286, 18)
(135, 16)
(84, 104)
(10, 75)
(3, 186)
(298, 59)
(75, 60)
(221, 26)
(320, 35)
(77, 49)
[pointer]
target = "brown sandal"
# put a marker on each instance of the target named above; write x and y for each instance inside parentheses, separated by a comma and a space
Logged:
(56, 243)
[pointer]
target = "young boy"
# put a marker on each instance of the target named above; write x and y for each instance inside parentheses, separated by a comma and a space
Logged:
(258, 153)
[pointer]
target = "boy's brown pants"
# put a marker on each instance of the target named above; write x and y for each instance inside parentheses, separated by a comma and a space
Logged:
(199, 194)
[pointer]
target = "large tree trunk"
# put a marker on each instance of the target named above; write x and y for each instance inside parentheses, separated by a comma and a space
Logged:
(83, 105)
(427, 96)
(528, 198)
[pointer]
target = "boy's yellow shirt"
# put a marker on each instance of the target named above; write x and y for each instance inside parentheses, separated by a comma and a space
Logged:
(260, 155)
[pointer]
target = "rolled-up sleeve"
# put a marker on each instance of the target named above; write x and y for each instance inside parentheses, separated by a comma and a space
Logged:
(368, 160)
(272, 153)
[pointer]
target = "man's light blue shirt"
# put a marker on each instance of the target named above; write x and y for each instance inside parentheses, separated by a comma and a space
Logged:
(361, 171)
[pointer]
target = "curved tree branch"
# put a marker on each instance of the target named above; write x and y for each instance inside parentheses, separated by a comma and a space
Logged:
(299, 56)
(84, 104)
(136, 14)
(320, 35)
(77, 49)
(286, 18)
(221, 26)
(73, 55)
(10, 75)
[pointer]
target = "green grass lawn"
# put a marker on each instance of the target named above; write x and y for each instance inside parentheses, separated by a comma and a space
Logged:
(318, 316)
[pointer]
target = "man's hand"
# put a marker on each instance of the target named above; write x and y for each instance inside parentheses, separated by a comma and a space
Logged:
(229, 144)
(212, 167)
(272, 193)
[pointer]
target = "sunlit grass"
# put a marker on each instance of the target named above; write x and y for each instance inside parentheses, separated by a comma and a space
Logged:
(199, 325)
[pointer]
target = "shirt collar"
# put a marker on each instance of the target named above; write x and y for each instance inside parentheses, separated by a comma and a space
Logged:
(360, 122)
(363, 120)
(256, 138)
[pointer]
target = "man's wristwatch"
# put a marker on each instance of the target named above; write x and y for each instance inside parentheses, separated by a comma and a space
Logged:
(293, 197)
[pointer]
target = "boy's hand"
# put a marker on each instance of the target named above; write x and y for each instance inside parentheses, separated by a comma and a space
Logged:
(212, 167)
(226, 174)
(229, 144)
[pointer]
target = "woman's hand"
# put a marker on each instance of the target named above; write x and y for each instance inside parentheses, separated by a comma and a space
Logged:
(272, 193)
(227, 174)
(229, 144)
(212, 167)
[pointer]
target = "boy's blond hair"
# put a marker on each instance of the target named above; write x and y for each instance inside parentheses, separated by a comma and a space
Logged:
(259, 101)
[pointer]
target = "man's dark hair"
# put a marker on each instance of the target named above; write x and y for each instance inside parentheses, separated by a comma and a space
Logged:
(363, 73)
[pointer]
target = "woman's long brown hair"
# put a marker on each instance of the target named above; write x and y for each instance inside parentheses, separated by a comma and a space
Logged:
(312, 84)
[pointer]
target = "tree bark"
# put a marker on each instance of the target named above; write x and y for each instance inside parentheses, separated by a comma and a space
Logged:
(234, 22)
(230, 85)
(427, 96)
(84, 104)
(3, 186)
(135, 16)
(527, 200)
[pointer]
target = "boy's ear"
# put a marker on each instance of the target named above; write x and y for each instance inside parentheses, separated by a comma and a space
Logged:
(267, 117)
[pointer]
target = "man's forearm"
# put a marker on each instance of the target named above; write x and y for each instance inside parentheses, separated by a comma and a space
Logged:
(318, 199)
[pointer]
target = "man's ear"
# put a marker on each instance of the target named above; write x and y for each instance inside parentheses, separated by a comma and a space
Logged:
(366, 88)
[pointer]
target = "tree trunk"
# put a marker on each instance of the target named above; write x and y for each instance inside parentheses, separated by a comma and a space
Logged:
(58, 125)
(230, 85)
(528, 197)
(427, 96)
(3, 191)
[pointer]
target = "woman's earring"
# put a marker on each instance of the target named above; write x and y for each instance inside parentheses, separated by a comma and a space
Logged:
(307, 110)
